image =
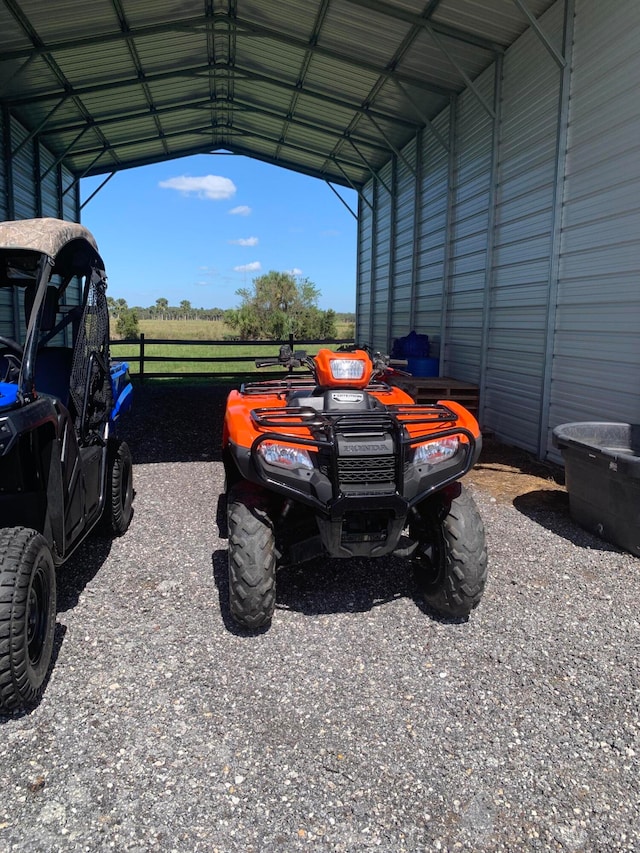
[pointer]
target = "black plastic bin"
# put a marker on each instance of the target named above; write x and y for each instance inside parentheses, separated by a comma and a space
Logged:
(602, 475)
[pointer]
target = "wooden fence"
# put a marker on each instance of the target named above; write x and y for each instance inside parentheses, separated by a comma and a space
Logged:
(224, 363)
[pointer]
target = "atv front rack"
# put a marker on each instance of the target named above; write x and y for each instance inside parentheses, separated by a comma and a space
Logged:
(299, 417)
(295, 382)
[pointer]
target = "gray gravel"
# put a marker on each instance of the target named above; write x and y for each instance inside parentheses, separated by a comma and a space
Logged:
(358, 721)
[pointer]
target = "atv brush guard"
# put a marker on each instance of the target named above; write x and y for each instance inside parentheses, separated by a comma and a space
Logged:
(362, 459)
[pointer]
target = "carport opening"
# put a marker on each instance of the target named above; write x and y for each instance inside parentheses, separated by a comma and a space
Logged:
(181, 238)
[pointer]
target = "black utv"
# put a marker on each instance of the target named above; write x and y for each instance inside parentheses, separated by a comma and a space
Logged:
(62, 470)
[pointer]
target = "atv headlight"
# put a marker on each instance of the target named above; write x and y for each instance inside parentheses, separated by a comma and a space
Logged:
(436, 450)
(347, 368)
(284, 456)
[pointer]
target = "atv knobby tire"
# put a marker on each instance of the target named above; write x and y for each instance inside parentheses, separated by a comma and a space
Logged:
(118, 507)
(252, 558)
(451, 565)
(27, 616)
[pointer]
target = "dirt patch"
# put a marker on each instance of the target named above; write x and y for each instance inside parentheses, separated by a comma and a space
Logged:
(509, 473)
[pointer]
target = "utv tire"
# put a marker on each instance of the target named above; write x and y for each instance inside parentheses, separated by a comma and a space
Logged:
(252, 558)
(452, 564)
(118, 507)
(27, 617)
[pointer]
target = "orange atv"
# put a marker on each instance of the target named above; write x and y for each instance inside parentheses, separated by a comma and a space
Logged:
(343, 465)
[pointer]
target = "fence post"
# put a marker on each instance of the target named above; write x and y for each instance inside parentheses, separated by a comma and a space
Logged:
(142, 357)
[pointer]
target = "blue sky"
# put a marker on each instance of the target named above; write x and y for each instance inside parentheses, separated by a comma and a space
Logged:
(201, 227)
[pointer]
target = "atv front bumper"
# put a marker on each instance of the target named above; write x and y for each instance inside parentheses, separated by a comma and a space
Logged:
(365, 475)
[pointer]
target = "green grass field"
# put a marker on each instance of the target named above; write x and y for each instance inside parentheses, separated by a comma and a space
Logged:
(194, 330)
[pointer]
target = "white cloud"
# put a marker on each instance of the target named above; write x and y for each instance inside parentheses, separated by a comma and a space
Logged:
(331, 232)
(254, 266)
(295, 271)
(212, 187)
(245, 241)
(240, 210)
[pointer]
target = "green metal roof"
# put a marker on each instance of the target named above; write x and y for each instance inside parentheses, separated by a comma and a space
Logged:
(330, 88)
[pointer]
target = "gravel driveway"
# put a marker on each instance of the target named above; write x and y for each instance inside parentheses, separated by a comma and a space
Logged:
(358, 721)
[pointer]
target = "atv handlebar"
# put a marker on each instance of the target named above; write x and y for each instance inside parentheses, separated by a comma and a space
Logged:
(381, 366)
(286, 358)
(289, 359)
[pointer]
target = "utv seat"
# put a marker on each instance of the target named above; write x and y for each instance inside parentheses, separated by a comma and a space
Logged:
(53, 372)
(6, 363)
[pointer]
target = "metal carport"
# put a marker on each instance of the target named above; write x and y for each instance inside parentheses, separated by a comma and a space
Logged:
(434, 111)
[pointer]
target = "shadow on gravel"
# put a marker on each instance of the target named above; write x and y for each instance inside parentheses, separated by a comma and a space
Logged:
(79, 570)
(221, 516)
(497, 456)
(550, 509)
(175, 422)
(332, 586)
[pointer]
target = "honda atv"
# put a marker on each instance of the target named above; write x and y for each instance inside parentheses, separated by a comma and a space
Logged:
(62, 470)
(344, 465)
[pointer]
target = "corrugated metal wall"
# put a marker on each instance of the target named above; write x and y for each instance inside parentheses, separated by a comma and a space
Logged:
(596, 354)
(432, 246)
(49, 184)
(404, 241)
(3, 168)
(382, 260)
(466, 280)
(31, 181)
(526, 257)
(70, 196)
(364, 272)
(31, 184)
(6, 310)
(519, 285)
(23, 169)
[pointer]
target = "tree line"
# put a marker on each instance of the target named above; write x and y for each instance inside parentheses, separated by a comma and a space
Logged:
(275, 306)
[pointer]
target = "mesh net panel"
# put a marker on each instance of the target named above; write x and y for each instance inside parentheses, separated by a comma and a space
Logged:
(90, 368)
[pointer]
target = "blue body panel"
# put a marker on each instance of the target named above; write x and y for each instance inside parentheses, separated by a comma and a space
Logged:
(8, 394)
(122, 389)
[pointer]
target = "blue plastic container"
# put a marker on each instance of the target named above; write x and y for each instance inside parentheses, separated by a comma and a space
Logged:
(423, 366)
(411, 346)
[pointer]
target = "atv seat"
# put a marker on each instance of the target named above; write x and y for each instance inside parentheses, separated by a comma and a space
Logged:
(333, 400)
(306, 397)
(53, 372)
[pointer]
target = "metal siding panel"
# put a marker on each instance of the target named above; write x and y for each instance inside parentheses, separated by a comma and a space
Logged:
(492, 19)
(365, 263)
(49, 189)
(4, 206)
(383, 202)
(470, 220)
(596, 361)
(522, 238)
(432, 232)
(403, 256)
(70, 199)
(24, 183)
